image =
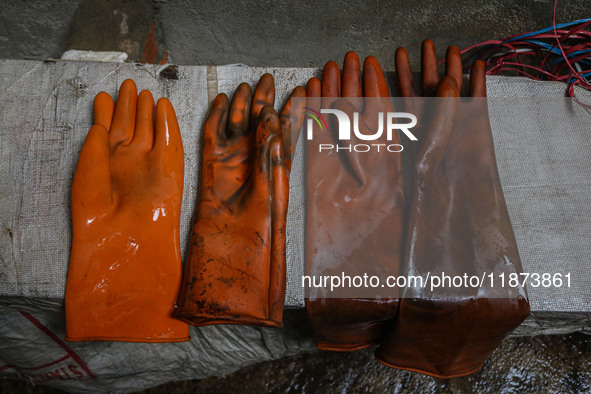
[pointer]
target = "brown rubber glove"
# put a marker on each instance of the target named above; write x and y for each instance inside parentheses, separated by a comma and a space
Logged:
(125, 267)
(236, 269)
(458, 224)
(355, 210)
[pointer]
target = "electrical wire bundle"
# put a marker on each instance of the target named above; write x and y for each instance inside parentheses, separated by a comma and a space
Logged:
(561, 52)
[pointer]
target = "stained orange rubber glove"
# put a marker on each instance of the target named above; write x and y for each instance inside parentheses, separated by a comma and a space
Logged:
(236, 268)
(458, 224)
(355, 210)
(125, 267)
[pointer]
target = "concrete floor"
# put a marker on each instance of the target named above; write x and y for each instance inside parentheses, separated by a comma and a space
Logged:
(281, 33)
(542, 364)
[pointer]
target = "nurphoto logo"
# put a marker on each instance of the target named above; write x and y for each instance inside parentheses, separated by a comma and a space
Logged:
(387, 122)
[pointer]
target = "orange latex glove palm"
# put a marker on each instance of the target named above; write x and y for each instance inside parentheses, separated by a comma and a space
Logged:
(458, 225)
(236, 268)
(355, 209)
(125, 267)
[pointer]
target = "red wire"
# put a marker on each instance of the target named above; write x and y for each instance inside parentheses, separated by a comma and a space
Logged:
(501, 56)
(553, 76)
(575, 73)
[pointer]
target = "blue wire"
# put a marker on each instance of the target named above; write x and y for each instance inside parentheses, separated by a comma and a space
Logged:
(525, 35)
(545, 45)
(548, 47)
(584, 76)
(574, 54)
(547, 29)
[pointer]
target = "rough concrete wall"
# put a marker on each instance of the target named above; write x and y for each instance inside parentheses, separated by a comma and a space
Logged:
(32, 29)
(309, 33)
(123, 26)
(285, 33)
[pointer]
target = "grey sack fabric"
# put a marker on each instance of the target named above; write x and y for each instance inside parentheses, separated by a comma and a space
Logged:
(542, 145)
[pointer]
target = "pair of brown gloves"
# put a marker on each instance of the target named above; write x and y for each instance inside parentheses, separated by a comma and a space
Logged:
(453, 221)
(125, 269)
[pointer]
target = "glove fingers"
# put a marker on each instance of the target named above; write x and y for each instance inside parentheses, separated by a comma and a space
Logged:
(351, 85)
(350, 158)
(478, 80)
(168, 145)
(435, 141)
(234, 147)
(91, 187)
(318, 130)
(268, 128)
(374, 81)
(280, 198)
(374, 86)
(239, 112)
(279, 179)
(215, 127)
(453, 65)
(227, 162)
(313, 91)
(144, 122)
(404, 73)
(331, 84)
(291, 119)
(122, 127)
(232, 160)
(264, 94)
(214, 133)
(103, 110)
(429, 68)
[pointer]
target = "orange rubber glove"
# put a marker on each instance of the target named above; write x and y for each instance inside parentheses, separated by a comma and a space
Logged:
(355, 210)
(125, 267)
(236, 268)
(458, 224)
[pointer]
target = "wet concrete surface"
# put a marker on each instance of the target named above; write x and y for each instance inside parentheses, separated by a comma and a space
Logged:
(547, 364)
